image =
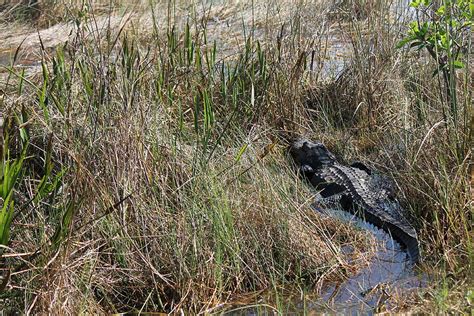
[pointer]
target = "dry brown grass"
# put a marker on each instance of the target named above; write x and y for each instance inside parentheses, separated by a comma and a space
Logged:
(191, 230)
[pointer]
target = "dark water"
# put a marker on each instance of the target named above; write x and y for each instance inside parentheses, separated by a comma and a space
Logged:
(389, 272)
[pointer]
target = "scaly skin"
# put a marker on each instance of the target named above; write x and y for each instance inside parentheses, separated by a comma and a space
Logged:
(369, 196)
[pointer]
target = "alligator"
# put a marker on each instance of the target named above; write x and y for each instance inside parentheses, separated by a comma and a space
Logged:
(357, 189)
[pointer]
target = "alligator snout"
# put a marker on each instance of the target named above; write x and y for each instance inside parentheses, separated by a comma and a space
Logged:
(312, 154)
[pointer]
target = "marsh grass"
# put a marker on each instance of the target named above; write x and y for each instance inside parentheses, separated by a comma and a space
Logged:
(169, 186)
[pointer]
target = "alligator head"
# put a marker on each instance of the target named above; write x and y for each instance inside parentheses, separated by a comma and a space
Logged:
(311, 156)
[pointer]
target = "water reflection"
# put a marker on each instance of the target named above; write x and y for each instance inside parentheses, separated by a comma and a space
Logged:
(390, 271)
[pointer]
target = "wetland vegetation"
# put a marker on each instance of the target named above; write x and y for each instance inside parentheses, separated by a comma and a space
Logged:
(145, 161)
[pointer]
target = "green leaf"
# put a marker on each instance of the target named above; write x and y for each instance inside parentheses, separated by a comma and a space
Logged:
(62, 230)
(11, 172)
(458, 64)
(441, 10)
(415, 3)
(6, 216)
(241, 152)
(23, 131)
(403, 42)
(444, 42)
(414, 28)
(424, 28)
(418, 44)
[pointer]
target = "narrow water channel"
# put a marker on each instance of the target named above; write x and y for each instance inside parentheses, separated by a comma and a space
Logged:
(389, 272)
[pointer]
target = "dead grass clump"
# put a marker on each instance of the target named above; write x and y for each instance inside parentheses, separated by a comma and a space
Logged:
(349, 10)
(29, 10)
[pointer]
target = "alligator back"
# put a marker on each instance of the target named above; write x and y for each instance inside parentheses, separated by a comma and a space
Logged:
(367, 195)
